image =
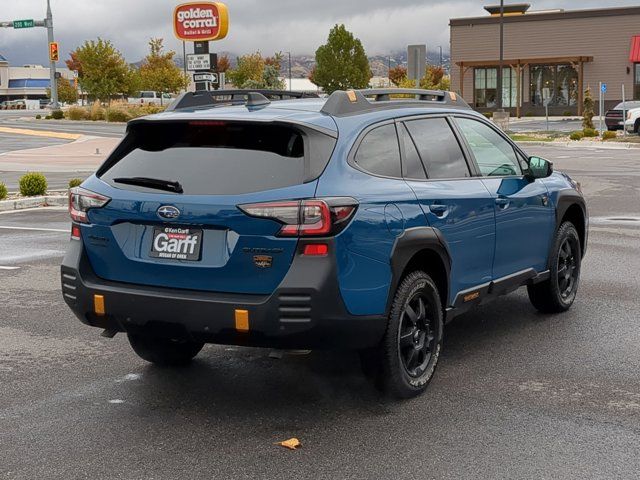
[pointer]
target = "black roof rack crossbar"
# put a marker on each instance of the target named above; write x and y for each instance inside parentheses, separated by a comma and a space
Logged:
(255, 97)
(341, 103)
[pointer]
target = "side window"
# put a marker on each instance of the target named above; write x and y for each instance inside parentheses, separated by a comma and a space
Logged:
(411, 165)
(494, 155)
(438, 148)
(379, 152)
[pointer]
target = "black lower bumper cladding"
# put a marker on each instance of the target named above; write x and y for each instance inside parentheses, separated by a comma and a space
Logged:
(305, 311)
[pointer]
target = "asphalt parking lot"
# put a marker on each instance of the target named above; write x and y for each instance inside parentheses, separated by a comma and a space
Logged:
(517, 394)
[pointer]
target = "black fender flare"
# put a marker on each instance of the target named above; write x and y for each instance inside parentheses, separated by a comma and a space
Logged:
(566, 199)
(412, 241)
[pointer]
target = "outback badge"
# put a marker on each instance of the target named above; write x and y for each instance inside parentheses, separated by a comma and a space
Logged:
(263, 261)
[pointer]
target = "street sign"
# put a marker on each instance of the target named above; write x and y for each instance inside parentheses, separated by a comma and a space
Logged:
(23, 23)
(603, 88)
(200, 21)
(205, 77)
(200, 61)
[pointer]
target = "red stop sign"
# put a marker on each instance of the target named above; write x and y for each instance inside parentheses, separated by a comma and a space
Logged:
(201, 21)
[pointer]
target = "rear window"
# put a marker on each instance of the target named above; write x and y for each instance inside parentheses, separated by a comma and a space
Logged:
(219, 158)
(628, 105)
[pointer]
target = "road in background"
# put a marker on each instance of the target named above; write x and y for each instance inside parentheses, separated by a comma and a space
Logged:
(517, 394)
(540, 124)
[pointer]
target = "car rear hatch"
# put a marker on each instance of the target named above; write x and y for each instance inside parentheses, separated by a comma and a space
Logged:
(174, 189)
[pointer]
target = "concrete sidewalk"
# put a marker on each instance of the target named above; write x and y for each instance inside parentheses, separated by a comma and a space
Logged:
(85, 153)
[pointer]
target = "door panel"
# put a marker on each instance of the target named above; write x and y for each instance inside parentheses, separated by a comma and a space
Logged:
(524, 224)
(463, 211)
(524, 217)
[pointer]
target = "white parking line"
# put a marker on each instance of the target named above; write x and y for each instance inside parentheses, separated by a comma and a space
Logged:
(8, 268)
(35, 229)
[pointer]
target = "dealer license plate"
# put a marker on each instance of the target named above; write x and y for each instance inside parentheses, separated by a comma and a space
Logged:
(176, 243)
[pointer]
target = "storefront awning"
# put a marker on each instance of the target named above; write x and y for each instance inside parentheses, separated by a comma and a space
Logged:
(634, 54)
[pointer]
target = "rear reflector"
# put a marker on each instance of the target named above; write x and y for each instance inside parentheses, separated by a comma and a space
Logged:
(75, 231)
(316, 249)
(242, 321)
(98, 304)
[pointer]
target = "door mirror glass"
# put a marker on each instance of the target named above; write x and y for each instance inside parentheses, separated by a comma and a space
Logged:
(539, 167)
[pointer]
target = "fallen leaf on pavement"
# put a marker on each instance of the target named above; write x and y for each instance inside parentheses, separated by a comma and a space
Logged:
(291, 444)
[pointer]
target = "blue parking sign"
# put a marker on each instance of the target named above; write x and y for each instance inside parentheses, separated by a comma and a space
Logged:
(603, 88)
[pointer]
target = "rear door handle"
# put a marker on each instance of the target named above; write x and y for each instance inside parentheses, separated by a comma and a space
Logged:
(438, 209)
(502, 202)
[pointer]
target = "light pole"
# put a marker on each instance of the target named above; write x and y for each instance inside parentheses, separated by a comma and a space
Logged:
(440, 47)
(501, 55)
(52, 64)
(289, 70)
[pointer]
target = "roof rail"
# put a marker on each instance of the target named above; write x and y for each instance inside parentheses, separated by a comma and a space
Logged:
(247, 97)
(341, 103)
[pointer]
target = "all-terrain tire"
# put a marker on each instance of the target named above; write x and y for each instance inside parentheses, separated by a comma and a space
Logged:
(413, 341)
(557, 294)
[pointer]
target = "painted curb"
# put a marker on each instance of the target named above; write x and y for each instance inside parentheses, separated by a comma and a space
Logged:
(32, 202)
(580, 144)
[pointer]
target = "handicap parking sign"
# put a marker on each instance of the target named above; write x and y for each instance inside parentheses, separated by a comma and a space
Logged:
(603, 88)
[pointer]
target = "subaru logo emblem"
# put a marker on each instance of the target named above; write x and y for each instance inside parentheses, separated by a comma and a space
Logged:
(168, 212)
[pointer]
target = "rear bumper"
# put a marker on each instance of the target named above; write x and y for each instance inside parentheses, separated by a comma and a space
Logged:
(305, 311)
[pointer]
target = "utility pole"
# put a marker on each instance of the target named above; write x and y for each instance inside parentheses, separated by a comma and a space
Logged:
(48, 24)
(52, 64)
(289, 70)
(501, 55)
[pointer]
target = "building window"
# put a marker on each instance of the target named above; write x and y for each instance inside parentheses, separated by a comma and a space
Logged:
(486, 87)
(636, 83)
(554, 85)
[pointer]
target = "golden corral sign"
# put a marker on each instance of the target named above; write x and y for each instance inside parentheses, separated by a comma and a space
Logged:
(201, 21)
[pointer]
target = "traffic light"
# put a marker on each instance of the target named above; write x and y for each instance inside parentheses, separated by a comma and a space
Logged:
(53, 52)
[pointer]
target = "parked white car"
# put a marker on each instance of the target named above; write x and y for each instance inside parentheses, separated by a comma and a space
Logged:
(147, 96)
(632, 123)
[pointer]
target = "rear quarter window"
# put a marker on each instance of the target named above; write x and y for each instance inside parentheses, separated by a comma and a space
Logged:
(219, 158)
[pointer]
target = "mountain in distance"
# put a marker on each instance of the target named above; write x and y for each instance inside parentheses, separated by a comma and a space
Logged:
(301, 65)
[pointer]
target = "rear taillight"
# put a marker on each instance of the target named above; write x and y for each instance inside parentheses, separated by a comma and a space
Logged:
(306, 218)
(82, 200)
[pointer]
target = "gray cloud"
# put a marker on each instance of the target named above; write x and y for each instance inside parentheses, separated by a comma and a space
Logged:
(298, 26)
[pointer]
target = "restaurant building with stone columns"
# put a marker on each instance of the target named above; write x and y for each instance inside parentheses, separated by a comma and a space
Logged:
(550, 56)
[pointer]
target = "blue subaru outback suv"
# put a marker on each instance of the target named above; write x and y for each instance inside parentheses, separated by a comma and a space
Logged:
(361, 221)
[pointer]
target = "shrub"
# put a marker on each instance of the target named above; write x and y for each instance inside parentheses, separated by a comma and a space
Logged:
(78, 113)
(608, 135)
(576, 136)
(75, 182)
(38, 117)
(488, 114)
(590, 132)
(567, 113)
(48, 117)
(528, 114)
(57, 114)
(96, 112)
(32, 184)
(587, 110)
(117, 115)
(3, 191)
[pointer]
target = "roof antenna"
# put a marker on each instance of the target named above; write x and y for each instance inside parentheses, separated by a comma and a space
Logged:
(255, 99)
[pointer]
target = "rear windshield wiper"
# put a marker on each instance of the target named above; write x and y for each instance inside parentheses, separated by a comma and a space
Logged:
(157, 183)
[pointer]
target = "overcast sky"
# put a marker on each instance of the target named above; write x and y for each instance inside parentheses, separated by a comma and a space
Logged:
(299, 26)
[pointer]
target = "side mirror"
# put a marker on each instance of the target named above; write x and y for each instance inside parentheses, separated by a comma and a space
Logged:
(539, 168)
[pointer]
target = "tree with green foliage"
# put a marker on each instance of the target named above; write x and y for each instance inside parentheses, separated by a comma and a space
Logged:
(103, 71)
(341, 63)
(254, 71)
(67, 93)
(159, 73)
(587, 110)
